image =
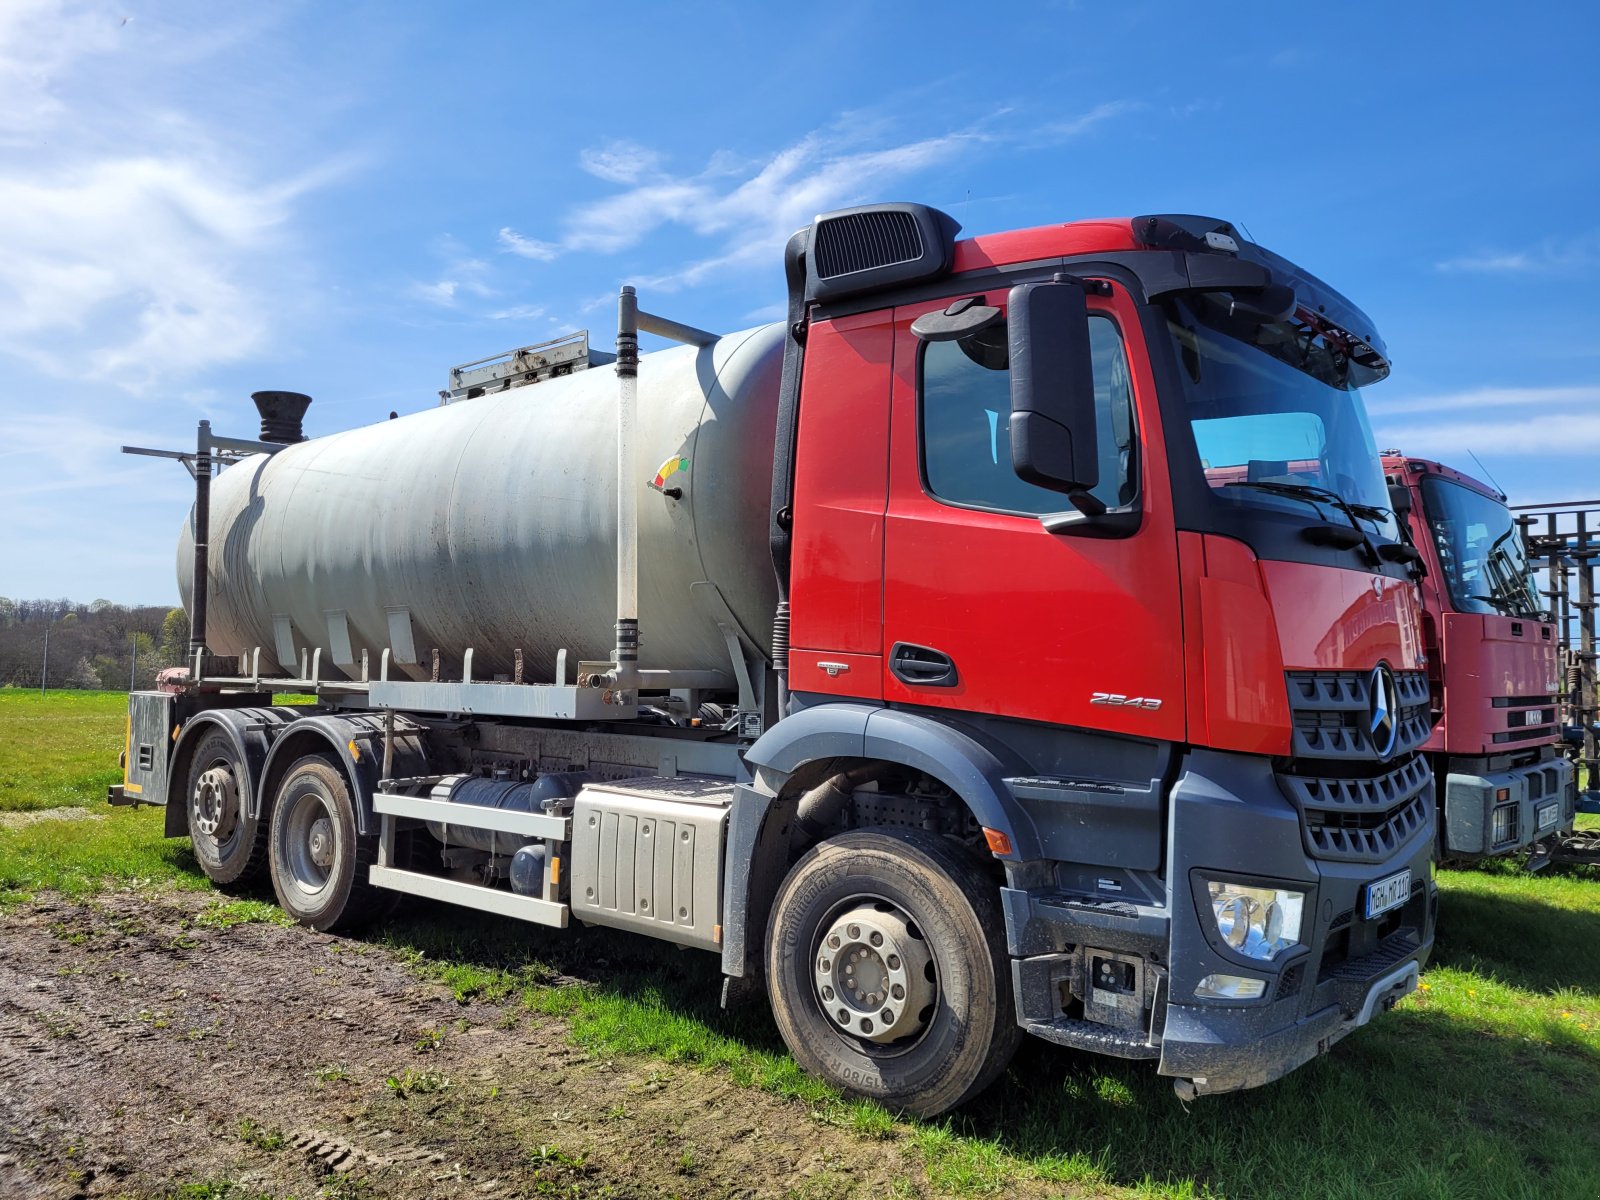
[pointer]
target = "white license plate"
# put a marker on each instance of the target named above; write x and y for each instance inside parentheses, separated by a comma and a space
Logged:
(1388, 893)
(1548, 815)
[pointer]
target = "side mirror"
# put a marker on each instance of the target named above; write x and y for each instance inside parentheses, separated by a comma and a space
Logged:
(1399, 499)
(1054, 442)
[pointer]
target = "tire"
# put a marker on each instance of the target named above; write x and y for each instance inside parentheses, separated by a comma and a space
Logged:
(914, 896)
(229, 844)
(319, 861)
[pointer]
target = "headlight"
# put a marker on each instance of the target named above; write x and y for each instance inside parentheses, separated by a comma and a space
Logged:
(1257, 922)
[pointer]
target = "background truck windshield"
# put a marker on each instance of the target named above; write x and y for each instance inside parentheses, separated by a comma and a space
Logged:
(1480, 550)
(1275, 403)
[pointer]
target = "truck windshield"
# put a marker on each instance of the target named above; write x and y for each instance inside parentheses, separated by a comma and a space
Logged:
(1276, 403)
(1480, 551)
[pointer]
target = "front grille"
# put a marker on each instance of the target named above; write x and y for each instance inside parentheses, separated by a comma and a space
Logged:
(1361, 820)
(1332, 713)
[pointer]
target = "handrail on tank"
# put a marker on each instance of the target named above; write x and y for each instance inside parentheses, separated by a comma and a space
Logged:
(625, 675)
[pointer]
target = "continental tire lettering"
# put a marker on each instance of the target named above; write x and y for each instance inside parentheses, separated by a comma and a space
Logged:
(1118, 700)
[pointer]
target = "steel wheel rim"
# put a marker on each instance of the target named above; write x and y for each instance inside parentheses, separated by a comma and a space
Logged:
(901, 938)
(214, 804)
(309, 841)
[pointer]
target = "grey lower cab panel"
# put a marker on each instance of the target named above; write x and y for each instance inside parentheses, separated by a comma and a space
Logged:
(647, 855)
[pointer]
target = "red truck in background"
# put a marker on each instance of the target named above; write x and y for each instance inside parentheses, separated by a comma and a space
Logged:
(1493, 666)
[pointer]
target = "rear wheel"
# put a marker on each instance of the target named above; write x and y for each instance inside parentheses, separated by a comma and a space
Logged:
(887, 969)
(229, 844)
(319, 860)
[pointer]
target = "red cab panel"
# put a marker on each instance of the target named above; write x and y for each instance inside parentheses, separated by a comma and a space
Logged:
(1036, 625)
(840, 488)
(1502, 679)
(1345, 620)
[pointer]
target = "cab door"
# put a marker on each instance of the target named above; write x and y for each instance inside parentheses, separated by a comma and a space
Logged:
(988, 610)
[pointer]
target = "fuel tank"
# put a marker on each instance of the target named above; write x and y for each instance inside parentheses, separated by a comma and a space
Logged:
(491, 523)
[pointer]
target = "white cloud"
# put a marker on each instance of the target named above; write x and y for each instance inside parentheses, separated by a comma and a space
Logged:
(1549, 257)
(514, 243)
(134, 242)
(619, 162)
(1549, 398)
(747, 207)
(1560, 436)
(39, 41)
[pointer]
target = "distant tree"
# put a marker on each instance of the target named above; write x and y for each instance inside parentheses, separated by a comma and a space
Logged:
(99, 606)
(8, 611)
(174, 638)
(112, 674)
(83, 675)
(148, 662)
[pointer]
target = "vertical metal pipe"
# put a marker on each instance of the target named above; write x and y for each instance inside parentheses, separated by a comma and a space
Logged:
(627, 647)
(202, 537)
(1588, 710)
(44, 668)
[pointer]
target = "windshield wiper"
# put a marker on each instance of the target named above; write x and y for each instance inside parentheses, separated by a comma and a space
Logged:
(1315, 496)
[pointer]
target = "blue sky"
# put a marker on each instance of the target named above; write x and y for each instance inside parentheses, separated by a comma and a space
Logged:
(200, 200)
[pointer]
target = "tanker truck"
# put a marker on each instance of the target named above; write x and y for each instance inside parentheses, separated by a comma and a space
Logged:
(1015, 639)
(1501, 785)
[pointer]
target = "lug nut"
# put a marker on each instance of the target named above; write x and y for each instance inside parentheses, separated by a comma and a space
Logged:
(834, 941)
(898, 992)
(876, 939)
(855, 931)
(894, 962)
(887, 1017)
(827, 993)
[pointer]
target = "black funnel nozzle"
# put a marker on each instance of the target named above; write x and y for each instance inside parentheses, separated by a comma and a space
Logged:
(280, 415)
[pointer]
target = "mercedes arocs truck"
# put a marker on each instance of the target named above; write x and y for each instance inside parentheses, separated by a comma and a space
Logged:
(1015, 639)
(1493, 666)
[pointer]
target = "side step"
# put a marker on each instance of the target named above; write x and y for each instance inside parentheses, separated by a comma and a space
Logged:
(472, 895)
(556, 830)
(1091, 1035)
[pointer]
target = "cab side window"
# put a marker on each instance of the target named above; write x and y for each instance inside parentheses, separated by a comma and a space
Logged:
(965, 412)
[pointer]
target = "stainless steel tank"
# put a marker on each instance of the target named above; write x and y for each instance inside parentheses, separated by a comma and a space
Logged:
(491, 523)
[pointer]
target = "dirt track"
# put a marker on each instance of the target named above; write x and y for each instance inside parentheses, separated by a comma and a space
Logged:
(139, 1053)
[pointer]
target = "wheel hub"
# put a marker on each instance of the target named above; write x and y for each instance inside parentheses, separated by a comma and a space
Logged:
(320, 843)
(215, 809)
(872, 974)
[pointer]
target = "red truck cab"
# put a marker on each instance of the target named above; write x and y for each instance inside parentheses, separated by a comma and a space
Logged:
(1492, 666)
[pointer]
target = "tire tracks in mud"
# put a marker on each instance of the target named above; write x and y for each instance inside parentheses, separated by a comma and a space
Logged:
(139, 1052)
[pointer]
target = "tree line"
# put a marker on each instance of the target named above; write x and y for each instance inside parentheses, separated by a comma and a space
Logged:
(99, 645)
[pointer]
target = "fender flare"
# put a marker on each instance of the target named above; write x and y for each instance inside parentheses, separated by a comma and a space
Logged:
(972, 770)
(247, 727)
(759, 822)
(356, 743)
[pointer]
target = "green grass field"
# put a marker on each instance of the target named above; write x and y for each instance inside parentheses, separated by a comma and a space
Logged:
(1483, 1084)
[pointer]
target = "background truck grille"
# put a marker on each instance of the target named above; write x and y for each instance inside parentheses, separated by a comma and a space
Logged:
(1361, 820)
(1332, 714)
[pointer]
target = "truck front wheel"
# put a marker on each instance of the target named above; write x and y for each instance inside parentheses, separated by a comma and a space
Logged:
(229, 844)
(887, 969)
(319, 860)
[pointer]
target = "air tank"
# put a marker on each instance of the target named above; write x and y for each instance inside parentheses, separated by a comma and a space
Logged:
(491, 523)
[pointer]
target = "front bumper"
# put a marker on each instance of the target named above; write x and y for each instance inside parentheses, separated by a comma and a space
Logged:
(1228, 813)
(1540, 800)
(1216, 1052)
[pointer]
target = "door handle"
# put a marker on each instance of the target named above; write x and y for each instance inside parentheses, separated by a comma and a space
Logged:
(922, 666)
